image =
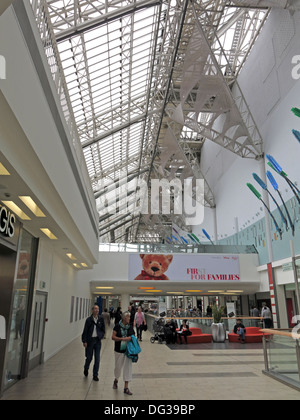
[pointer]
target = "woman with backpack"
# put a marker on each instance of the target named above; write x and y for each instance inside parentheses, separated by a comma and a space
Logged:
(121, 335)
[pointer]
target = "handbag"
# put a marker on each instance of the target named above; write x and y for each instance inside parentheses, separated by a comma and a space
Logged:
(145, 327)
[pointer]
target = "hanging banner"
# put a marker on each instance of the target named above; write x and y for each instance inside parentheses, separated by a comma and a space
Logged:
(178, 267)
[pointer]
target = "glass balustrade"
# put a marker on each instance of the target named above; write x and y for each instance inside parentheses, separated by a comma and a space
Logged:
(282, 356)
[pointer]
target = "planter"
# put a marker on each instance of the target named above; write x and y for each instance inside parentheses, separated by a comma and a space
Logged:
(218, 332)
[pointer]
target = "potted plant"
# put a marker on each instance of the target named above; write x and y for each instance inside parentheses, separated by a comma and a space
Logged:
(217, 327)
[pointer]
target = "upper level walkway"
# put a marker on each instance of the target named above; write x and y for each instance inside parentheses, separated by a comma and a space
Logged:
(226, 371)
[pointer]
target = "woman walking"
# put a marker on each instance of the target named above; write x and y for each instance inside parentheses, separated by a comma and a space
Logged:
(121, 335)
(139, 322)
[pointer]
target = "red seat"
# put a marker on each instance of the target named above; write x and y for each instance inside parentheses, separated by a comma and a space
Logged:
(252, 335)
(197, 336)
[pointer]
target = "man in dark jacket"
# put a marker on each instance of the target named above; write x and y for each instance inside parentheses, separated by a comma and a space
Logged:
(94, 331)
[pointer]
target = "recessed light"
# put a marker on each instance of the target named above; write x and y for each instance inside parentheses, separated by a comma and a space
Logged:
(193, 291)
(76, 265)
(3, 170)
(216, 291)
(106, 287)
(71, 256)
(12, 206)
(84, 265)
(28, 201)
(146, 288)
(48, 233)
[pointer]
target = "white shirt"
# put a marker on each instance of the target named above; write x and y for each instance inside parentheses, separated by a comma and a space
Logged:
(95, 328)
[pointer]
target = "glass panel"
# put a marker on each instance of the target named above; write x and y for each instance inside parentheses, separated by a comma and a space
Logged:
(19, 310)
(282, 357)
(164, 248)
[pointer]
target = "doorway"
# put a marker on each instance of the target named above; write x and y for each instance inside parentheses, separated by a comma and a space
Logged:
(290, 311)
(36, 356)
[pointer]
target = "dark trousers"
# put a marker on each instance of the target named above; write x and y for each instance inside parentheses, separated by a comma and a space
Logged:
(139, 331)
(93, 349)
(268, 323)
(183, 334)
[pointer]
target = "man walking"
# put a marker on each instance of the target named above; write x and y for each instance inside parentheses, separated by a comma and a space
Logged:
(94, 331)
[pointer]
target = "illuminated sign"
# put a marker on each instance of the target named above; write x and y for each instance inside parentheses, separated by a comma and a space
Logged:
(7, 222)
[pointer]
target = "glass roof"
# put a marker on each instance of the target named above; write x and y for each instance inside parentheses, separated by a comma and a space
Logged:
(119, 68)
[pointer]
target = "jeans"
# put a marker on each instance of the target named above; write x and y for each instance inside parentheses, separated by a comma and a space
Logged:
(93, 348)
(241, 333)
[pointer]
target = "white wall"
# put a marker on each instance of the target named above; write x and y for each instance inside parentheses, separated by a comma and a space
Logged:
(270, 92)
(61, 282)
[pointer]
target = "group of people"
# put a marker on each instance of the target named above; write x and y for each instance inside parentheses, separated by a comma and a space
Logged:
(171, 331)
(94, 331)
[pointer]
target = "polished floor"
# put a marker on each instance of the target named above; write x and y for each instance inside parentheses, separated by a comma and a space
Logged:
(170, 373)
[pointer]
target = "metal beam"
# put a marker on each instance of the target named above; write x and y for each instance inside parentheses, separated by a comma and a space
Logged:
(105, 18)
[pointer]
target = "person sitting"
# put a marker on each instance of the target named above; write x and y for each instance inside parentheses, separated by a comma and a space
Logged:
(240, 329)
(173, 326)
(184, 331)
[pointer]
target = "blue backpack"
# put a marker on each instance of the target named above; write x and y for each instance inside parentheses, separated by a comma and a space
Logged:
(133, 349)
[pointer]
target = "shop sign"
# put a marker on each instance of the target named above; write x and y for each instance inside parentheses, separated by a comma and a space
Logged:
(199, 268)
(7, 222)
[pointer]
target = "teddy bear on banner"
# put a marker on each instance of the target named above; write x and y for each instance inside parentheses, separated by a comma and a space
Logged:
(154, 266)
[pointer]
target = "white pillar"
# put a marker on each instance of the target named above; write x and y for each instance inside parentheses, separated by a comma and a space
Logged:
(125, 301)
(169, 302)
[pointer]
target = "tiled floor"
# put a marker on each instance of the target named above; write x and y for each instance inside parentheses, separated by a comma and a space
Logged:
(162, 373)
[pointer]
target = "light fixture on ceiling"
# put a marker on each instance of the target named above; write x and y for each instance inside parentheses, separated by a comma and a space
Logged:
(3, 170)
(28, 201)
(104, 287)
(84, 265)
(194, 291)
(76, 265)
(216, 291)
(152, 291)
(71, 256)
(48, 233)
(146, 288)
(13, 207)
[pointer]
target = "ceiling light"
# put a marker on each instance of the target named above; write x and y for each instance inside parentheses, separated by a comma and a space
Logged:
(48, 233)
(106, 287)
(192, 291)
(12, 206)
(71, 256)
(146, 288)
(216, 291)
(3, 170)
(28, 201)
(234, 291)
(84, 265)
(76, 265)
(152, 291)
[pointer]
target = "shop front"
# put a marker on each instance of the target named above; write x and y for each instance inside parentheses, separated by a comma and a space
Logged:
(18, 251)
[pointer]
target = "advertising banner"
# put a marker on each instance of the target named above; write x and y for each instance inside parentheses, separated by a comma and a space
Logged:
(182, 267)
